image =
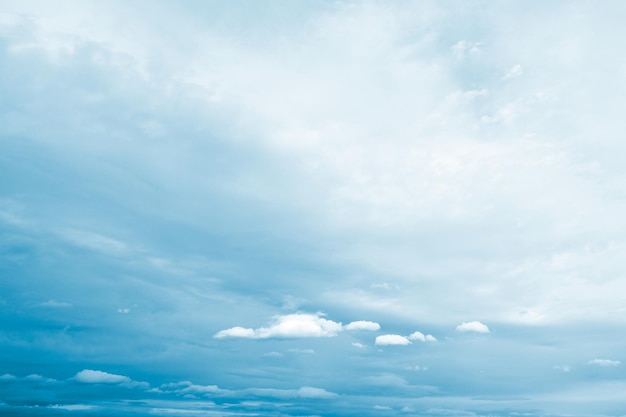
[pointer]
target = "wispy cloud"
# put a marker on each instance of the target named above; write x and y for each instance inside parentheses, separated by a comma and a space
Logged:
(604, 362)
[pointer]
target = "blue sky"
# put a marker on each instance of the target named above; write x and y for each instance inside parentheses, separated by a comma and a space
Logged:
(312, 208)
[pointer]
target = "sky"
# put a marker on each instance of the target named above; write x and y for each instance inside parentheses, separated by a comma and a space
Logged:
(312, 208)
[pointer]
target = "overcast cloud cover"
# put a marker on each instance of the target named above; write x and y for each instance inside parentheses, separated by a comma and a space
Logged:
(312, 208)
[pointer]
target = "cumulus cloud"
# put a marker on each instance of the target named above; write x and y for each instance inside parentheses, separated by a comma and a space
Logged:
(236, 332)
(362, 325)
(288, 326)
(88, 376)
(604, 362)
(392, 339)
(472, 326)
(358, 345)
(422, 337)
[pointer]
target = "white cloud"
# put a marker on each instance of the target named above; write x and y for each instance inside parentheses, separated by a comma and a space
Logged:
(392, 339)
(201, 389)
(362, 325)
(187, 388)
(464, 48)
(472, 326)
(73, 407)
(55, 304)
(422, 337)
(88, 376)
(288, 326)
(358, 345)
(236, 332)
(604, 362)
(312, 392)
(514, 72)
(7, 377)
(304, 392)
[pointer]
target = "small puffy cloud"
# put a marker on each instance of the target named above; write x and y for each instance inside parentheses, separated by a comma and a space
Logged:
(362, 325)
(88, 376)
(422, 337)
(288, 326)
(472, 326)
(358, 345)
(7, 377)
(236, 332)
(392, 339)
(604, 362)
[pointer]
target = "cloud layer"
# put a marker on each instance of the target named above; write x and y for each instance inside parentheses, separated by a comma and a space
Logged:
(175, 175)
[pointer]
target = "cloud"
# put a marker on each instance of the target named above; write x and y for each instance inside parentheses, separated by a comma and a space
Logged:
(604, 362)
(362, 325)
(463, 48)
(312, 392)
(472, 326)
(55, 304)
(564, 368)
(287, 326)
(421, 337)
(94, 241)
(392, 339)
(358, 345)
(88, 376)
(236, 332)
(514, 72)
(72, 407)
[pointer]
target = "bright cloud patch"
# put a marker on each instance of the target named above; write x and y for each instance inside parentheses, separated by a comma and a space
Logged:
(422, 337)
(288, 326)
(362, 325)
(88, 376)
(392, 339)
(472, 326)
(236, 332)
(604, 362)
